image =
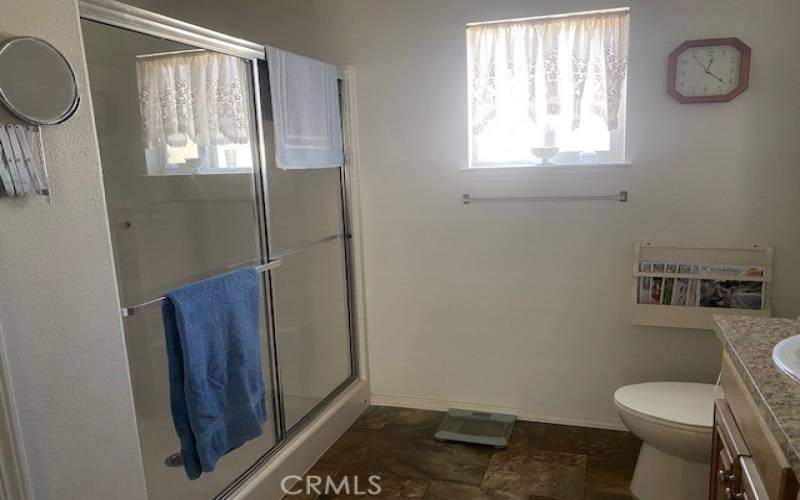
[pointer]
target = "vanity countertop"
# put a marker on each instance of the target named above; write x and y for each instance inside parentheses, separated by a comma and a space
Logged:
(749, 342)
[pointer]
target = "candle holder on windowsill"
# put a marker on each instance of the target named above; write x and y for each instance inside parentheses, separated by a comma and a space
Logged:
(544, 153)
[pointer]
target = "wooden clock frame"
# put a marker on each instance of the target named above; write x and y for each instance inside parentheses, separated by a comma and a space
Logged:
(744, 70)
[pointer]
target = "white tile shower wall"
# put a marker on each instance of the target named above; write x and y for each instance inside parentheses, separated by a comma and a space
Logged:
(58, 302)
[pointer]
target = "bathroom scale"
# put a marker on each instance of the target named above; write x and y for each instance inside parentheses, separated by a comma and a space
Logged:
(476, 427)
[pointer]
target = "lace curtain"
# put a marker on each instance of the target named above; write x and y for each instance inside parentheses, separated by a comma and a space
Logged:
(195, 95)
(530, 71)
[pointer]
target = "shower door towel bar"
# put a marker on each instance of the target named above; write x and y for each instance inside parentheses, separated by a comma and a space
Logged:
(303, 248)
(466, 199)
(130, 311)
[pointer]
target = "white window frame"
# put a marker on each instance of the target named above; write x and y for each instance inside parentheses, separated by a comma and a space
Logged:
(158, 165)
(614, 160)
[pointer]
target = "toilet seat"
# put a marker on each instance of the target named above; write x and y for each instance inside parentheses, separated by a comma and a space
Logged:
(680, 405)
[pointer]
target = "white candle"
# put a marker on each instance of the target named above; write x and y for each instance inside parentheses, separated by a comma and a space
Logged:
(549, 137)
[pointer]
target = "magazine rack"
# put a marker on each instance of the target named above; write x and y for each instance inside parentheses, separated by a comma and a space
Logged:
(683, 316)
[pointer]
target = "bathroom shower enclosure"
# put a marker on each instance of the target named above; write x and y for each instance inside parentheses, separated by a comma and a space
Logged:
(184, 123)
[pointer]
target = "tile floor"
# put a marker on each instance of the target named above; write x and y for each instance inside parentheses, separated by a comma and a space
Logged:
(542, 461)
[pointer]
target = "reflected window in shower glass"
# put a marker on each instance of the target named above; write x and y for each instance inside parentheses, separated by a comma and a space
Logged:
(171, 230)
(167, 116)
(194, 112)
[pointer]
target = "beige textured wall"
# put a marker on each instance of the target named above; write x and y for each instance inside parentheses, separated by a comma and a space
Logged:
(58, 302)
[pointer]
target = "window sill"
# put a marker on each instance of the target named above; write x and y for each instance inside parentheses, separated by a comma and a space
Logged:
(556, 169)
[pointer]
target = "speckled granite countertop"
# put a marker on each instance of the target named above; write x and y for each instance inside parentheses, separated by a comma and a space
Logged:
(749, 342)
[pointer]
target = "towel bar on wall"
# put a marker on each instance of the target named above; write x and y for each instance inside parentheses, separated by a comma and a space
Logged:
(466, 199)
(130, 311)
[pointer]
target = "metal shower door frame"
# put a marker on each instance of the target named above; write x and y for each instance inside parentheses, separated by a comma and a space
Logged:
(121, 15)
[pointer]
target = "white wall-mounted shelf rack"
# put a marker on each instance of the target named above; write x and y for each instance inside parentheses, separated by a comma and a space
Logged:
(756, 255)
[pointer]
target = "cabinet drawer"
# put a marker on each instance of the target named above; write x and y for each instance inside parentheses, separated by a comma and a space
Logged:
(728, 446)
(752, 485)
(729, 432)
(764, 455)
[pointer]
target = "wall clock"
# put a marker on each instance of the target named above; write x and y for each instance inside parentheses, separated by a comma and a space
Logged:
(711, 70)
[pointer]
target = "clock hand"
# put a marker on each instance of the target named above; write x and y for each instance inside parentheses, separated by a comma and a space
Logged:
(706, 69)
(715, 76)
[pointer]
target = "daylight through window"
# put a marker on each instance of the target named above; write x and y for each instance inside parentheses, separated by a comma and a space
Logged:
(548, 87)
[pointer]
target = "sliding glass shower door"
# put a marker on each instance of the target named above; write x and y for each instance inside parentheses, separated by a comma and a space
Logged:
(192, 191)
(311, 308)
(183, 204)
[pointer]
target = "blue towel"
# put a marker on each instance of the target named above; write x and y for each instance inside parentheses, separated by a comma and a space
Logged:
(216, 389)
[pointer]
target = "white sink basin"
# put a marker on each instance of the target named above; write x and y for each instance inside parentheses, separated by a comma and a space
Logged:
(786, 356)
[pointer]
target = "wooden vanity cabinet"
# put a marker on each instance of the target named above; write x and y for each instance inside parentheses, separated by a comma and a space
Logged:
(728, 447)
(751, 485)
(747, 462)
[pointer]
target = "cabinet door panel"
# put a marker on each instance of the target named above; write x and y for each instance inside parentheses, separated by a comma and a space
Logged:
(728, 446)
(752, 485)
(769, 459)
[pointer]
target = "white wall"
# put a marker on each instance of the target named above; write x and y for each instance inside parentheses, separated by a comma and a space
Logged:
(513, 305)
(521, 306)
(525, 306)
(58, 302)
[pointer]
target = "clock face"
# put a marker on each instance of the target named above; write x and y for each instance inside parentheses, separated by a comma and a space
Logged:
(708, 71)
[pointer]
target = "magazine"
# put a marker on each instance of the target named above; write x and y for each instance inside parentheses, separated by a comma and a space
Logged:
(655, 291)
(701, 292)
(731, 270)
(680, 291)
(693, 294)
(644, 283)
(669, 284)
(732, 294)
(666, 291)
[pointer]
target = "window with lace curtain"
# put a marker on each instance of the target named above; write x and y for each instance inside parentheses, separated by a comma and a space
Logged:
(548, 90)
(195, 113)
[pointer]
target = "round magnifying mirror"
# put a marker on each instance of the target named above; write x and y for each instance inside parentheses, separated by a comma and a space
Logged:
(36, 81)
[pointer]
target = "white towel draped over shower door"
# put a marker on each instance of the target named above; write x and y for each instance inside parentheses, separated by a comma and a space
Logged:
(305, 107)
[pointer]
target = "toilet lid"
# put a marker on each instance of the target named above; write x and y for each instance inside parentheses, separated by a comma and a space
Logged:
(677, 402)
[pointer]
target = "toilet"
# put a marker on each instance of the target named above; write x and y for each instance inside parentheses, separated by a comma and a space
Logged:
(674, 420)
